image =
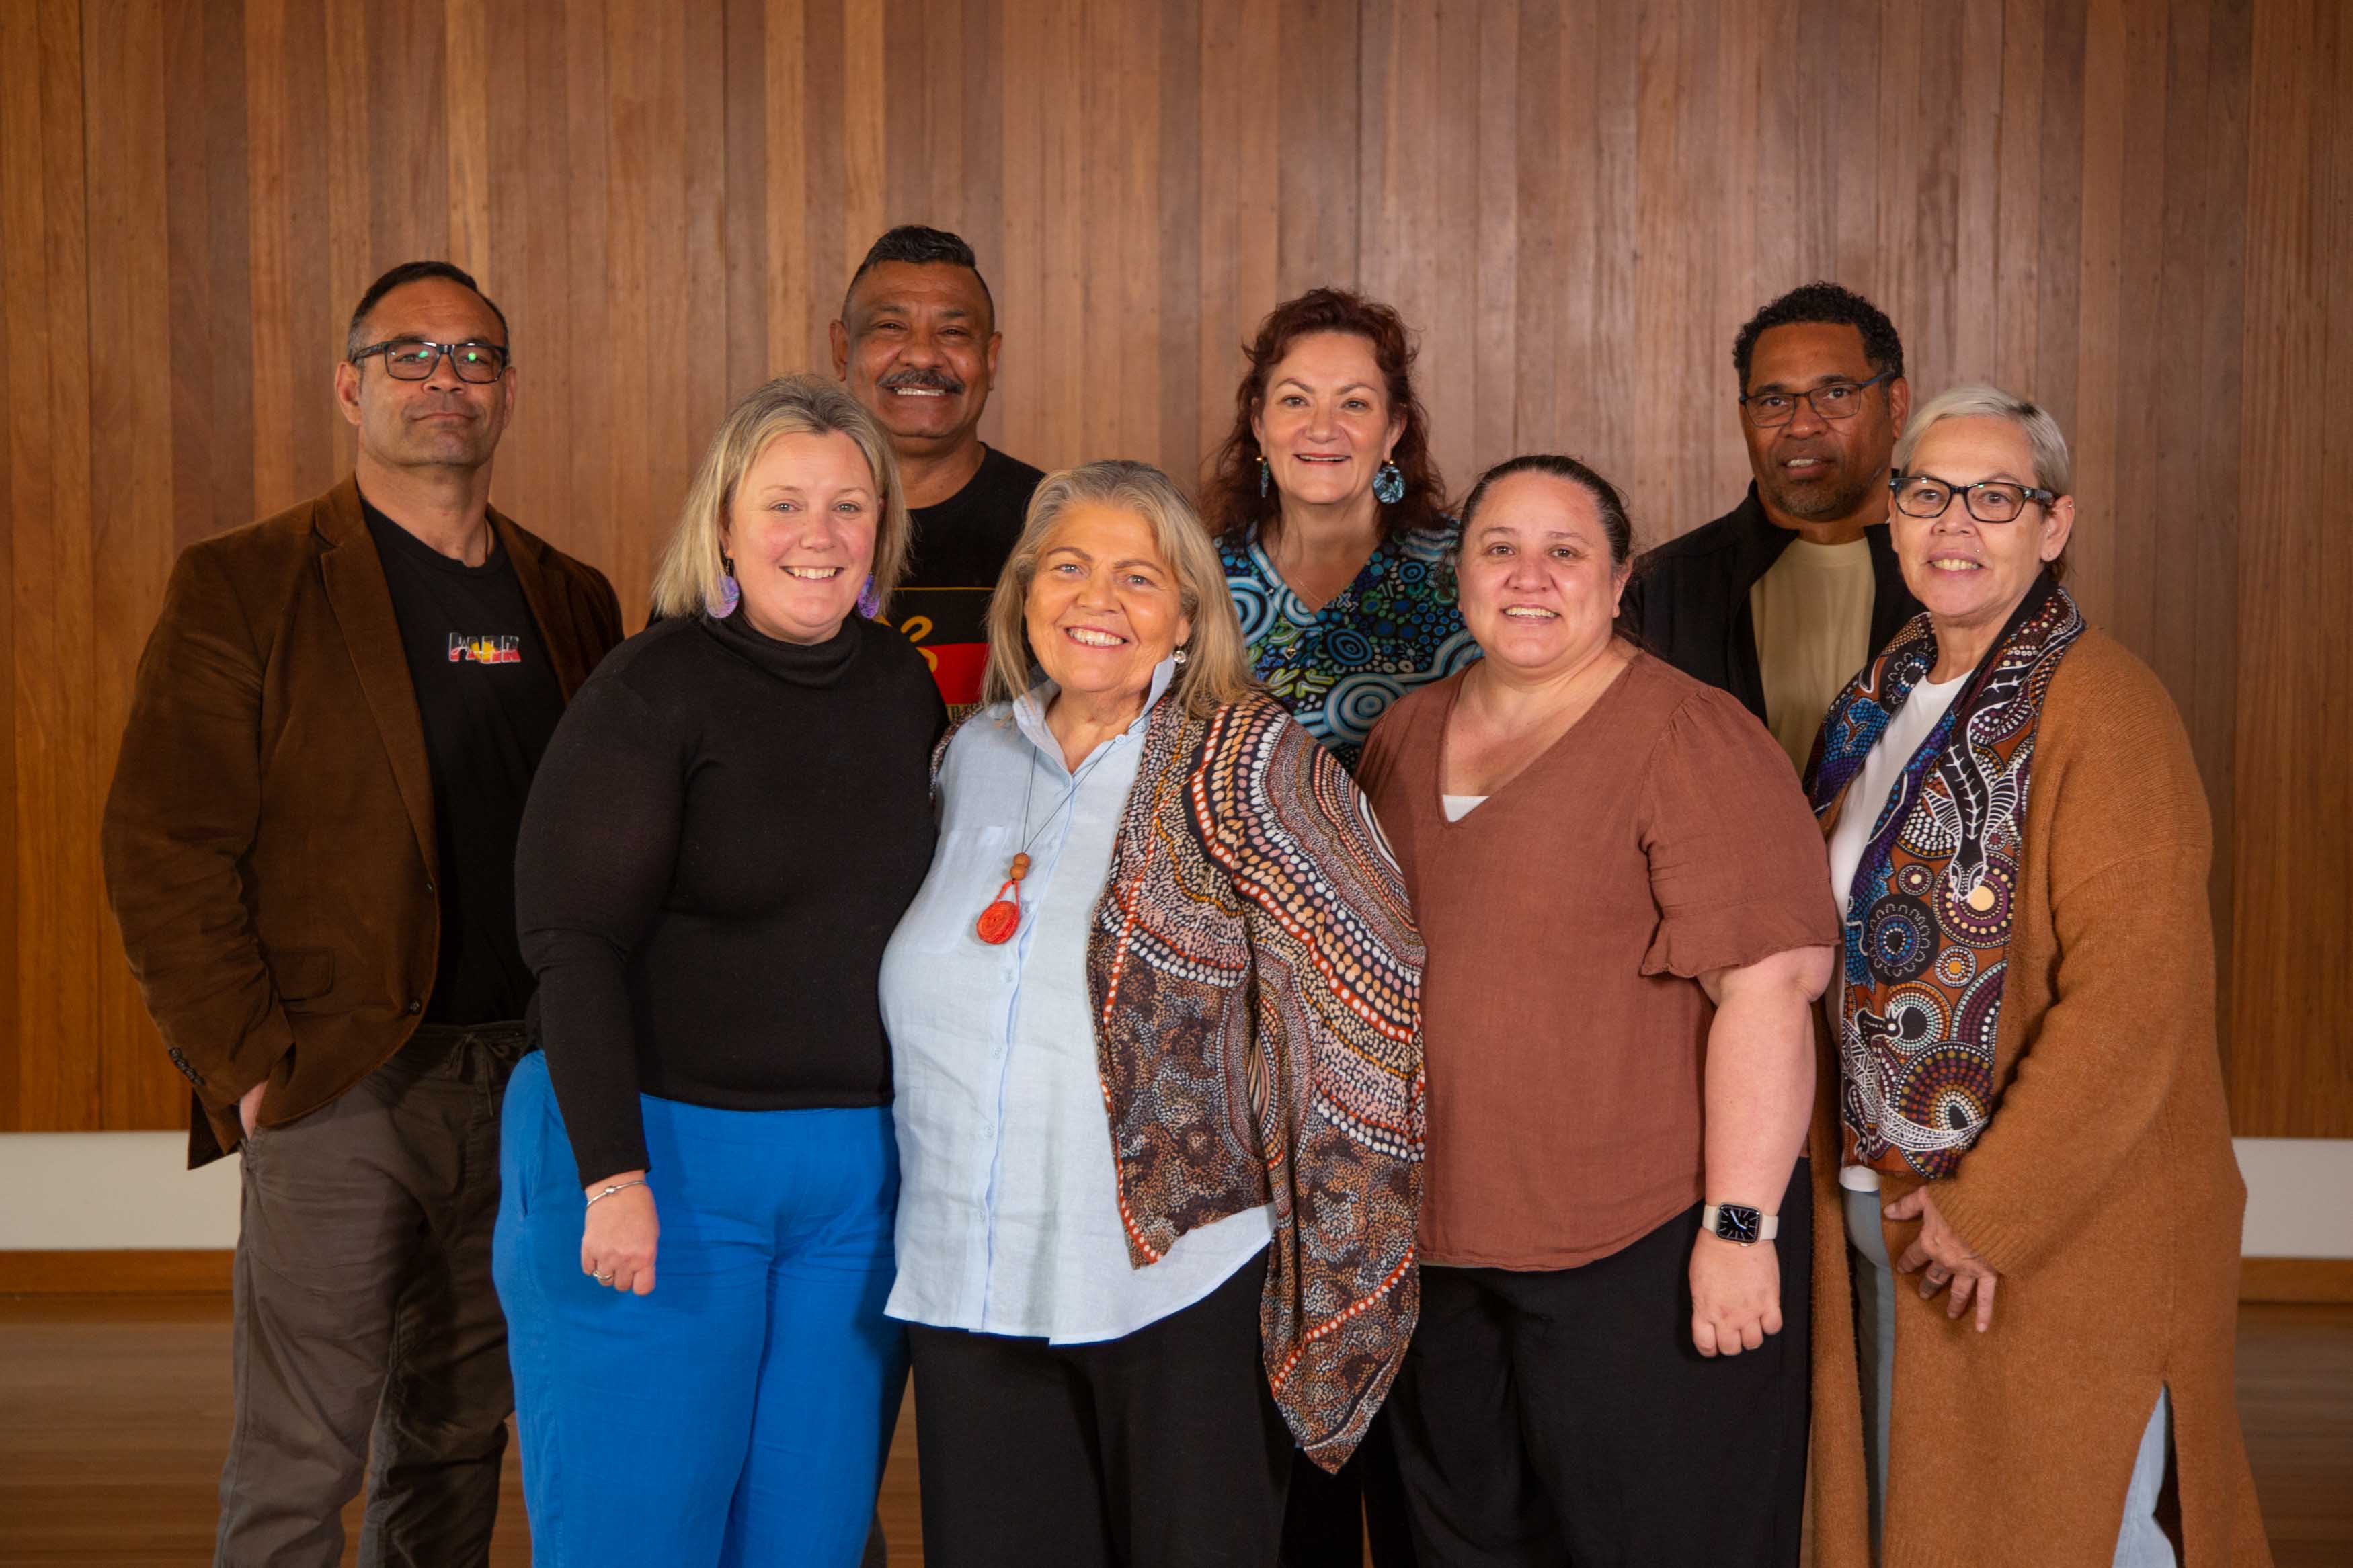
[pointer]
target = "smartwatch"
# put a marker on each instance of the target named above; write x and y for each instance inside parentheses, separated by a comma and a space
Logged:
(1741, 1227)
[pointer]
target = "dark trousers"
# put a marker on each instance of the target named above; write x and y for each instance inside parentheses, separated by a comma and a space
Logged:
(1159, 1450)
(367, 1339)
(1331, 1518)
(1562, 1417)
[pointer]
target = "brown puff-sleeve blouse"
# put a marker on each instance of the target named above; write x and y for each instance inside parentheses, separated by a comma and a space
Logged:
(1568, 919)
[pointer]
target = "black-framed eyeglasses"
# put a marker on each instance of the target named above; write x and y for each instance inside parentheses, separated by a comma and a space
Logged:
(1926, 496)
(414, 359)
(1831, 400)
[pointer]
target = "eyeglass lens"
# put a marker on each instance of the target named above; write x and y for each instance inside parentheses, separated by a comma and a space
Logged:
(1839, 400)
(1990, 502)
(414, 359)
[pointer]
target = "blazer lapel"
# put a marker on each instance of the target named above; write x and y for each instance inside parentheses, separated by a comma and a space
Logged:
(555, 635)
(362, 601)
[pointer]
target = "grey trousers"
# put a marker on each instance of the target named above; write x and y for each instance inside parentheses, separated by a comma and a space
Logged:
(2141, 1541)
(367, 1336)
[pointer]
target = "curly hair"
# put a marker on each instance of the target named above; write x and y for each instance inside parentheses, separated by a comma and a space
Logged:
(1231, 501)
(1824, 303)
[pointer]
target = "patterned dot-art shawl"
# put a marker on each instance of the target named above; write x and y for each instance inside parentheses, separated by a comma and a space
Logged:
(1927, 929)
(1256, 978)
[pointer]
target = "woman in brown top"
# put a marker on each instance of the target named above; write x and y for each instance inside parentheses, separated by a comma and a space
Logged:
(2026, 1106)
(1621, 895)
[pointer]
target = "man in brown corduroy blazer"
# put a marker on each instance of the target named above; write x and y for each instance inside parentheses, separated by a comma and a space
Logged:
(310, 848)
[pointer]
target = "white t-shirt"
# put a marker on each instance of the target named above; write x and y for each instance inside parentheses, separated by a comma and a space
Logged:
(1865, 799)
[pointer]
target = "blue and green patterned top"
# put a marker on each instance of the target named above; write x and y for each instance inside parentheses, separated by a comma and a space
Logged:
(1338, 669)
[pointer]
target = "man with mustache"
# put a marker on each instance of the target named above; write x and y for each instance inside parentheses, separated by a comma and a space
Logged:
(1783, 599)
(917, 344)
(310, 845)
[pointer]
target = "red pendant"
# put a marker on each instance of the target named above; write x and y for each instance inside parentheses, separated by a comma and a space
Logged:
(998, 922)
(1003, 917)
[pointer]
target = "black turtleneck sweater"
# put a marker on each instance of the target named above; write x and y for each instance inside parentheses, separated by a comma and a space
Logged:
(721, 835)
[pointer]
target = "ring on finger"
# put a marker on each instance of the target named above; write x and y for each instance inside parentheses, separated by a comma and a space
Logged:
(604, 1278)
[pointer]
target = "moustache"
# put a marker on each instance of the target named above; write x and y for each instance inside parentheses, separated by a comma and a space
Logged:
(922, 380)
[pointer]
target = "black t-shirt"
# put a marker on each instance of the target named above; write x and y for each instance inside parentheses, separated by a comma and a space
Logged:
(961, 545)
(489, 700)
(724, 835)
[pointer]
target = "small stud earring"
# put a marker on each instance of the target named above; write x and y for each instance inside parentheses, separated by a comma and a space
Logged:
(1177, 657)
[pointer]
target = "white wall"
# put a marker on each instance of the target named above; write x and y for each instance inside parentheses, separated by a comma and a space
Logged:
(73, 1191)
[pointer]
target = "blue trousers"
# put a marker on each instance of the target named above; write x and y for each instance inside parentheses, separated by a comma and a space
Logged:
(741, 1413)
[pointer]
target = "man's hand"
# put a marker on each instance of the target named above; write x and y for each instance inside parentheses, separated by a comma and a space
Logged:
(1736, 1295)
(248, 1106)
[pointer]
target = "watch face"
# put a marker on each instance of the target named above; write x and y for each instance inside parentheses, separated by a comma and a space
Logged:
(1736, 1224)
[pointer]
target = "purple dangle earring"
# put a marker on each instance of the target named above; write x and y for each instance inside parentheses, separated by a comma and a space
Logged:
(870, 602)
(731, 593)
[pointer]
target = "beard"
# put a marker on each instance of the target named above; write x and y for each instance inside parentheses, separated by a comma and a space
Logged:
(1839, 495)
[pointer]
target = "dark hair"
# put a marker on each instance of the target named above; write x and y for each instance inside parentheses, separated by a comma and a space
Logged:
(1606, 499)
(911, 242)
(1827, 304)
(1230, 499)
(417, 272)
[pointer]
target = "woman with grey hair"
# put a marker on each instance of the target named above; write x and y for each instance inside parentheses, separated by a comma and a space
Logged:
(1155, 1019)
(2027, 1104)
(729, 822)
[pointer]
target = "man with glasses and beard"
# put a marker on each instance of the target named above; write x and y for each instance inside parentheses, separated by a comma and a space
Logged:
(1785, 597)
(310, 845)
(917, 344)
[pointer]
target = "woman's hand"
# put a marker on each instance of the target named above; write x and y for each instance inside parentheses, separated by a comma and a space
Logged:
(1736, 1295)
(1944, 1258)
(617, 1239)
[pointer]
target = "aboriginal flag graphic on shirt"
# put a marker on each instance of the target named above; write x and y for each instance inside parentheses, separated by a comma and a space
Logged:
(961, 547)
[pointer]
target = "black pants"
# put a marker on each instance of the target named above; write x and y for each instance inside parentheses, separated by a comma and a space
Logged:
(1562, 1417)
(1160, 1449)
(1331, 1518)
(367, 1337)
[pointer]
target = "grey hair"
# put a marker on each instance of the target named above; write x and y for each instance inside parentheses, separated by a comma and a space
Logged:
(2054, 470)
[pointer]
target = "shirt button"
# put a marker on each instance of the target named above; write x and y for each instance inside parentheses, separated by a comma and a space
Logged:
(987, 1130)
(416, 1007)
(429, 885)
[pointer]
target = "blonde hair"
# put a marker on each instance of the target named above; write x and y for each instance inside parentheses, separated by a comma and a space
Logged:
(1217, 668)
(687, 578)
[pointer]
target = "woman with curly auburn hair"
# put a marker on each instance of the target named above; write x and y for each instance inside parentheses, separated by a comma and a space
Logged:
(1328, 511)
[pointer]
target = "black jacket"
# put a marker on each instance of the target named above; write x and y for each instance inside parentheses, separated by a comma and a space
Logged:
(1688, 602)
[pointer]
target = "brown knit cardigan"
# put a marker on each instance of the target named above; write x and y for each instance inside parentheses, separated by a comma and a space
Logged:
(2103, 1191)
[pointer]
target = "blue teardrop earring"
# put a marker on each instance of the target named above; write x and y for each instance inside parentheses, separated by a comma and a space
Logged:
(870, 602)
(1264, 478)
(1389, 484)
(730, 592)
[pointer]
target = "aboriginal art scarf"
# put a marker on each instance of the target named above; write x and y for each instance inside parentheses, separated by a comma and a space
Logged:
(1927, 930)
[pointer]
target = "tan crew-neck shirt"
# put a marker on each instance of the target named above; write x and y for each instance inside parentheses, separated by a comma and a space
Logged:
(1812, 616)
(1567, 917)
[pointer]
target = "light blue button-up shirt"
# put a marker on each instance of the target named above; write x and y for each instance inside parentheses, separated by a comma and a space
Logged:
(1008, 1205)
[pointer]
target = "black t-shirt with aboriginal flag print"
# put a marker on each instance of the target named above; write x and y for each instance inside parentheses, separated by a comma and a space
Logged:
(488, 701)
(961, 545)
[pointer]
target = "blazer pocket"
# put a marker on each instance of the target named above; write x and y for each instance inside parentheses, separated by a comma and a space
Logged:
(301, 973)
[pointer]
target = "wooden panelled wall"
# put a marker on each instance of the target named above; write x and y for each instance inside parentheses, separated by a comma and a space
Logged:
(2137, 211)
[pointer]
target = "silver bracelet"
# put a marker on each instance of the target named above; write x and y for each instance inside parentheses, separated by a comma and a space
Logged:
(599, 1197)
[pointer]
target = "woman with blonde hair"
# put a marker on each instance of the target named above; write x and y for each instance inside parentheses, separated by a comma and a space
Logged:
(729, 821)
(1155, 1019)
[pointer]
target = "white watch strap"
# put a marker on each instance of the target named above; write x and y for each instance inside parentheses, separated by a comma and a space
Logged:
(1767, 1225)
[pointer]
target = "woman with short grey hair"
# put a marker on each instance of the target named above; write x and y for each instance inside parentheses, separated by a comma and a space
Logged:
(2026, 1103)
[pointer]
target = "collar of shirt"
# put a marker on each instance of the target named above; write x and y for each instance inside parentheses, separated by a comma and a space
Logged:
(1029, 709)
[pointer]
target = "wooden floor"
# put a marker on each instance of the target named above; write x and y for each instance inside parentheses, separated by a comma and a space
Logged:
(112, 1411)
